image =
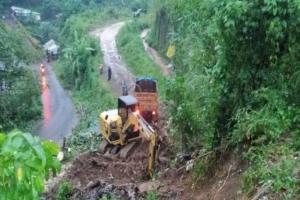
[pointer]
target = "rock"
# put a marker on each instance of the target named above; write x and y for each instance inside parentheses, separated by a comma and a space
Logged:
(163, 159)
(189, 165)
(92, 185)
(148, 186)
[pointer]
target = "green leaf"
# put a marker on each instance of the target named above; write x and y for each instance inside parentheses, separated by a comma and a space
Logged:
(2, 139)
(51, 147)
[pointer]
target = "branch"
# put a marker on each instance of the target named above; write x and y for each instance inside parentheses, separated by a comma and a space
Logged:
(228, 173)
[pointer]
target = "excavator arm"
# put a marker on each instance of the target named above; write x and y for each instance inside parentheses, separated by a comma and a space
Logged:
(147, 133)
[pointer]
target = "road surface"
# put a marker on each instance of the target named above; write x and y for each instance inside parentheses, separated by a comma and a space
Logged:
(59, 114)
(112, 59)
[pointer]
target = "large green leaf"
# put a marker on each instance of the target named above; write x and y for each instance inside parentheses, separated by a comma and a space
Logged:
(2, 139)
(51, 147)
(24, 164)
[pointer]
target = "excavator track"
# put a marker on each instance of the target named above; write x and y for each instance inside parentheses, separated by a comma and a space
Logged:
(103, 146)
(122, 152)
(127, 149)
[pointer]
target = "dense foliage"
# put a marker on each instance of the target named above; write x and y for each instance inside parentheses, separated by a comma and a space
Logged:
(19, 90)
(237, 82)
(25, 163)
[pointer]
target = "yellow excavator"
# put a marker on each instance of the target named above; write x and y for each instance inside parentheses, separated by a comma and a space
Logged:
(121, 129)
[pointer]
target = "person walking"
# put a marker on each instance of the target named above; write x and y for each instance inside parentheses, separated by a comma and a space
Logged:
(109, 74)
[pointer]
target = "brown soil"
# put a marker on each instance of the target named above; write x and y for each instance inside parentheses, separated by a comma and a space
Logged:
(95, 175)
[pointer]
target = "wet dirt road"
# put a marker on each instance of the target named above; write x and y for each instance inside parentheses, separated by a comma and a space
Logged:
(59, 114)
(112, 59)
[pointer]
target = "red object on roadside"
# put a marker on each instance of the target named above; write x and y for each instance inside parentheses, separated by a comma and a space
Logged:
(43, 70)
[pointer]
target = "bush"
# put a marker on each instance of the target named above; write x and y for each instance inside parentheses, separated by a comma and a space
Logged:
(264, 120)
(202, 167)
(152, 196)
(64, 190)
(275, 166)
(25, 163)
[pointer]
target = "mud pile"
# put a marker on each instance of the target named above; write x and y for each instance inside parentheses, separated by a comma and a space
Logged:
(100, 189)
(95, 175)
(110, 168)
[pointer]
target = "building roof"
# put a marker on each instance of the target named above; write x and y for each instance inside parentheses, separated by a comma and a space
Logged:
(24, 11)
(51, 46)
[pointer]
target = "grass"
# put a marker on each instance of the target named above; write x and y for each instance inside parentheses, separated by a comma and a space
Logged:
(64, 190)
(132, 50)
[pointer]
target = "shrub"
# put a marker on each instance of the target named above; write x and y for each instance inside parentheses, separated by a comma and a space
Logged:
(64, 190)
(264, 120)
(25, 163)
(274, 166)
(152, 196)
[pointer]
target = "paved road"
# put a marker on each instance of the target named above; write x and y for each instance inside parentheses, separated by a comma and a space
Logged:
(58, 110)
(120, 73)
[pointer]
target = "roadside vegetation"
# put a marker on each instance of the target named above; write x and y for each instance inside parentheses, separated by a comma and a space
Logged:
(19, 89)
(236, 85)
(132, 50)
(25, 164)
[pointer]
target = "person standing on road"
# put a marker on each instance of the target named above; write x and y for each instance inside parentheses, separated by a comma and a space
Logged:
(109, 74)
(101, 68)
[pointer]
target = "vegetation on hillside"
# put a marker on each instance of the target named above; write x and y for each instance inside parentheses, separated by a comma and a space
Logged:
(236, 84)
(19, 89)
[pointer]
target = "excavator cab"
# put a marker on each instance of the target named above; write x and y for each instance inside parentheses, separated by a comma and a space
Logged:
(112, 121)
(126, 105)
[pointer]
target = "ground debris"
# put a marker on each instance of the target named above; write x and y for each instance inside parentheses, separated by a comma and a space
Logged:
(148, 186)
(99, 189)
